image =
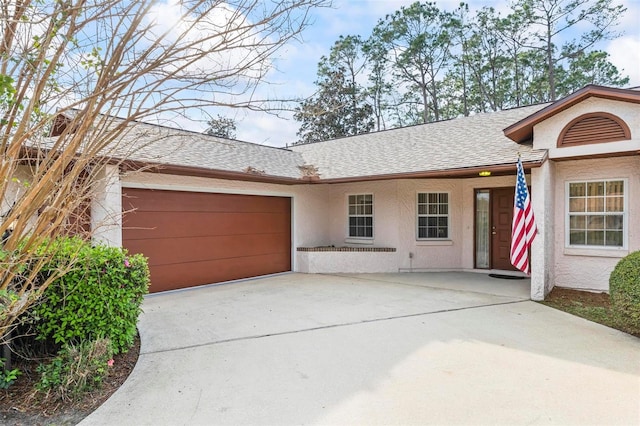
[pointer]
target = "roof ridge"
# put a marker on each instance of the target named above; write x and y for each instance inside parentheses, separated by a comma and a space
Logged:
(540, 104)
(195, 133)
(208, 136)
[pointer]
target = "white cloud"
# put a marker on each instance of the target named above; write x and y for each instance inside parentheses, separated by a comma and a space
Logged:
(251, 126)
(629, 19)
(351, 17)
(175, 121)
(625, 54)
(624, 51)
(266, 129)
(297, 65)
(219, 41)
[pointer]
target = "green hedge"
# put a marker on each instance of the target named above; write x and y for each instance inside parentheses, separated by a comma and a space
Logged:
(624, 289)
(99, 297)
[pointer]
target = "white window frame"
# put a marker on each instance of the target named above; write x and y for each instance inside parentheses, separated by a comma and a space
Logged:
(625, 215)
(349, 216)
(418, 216)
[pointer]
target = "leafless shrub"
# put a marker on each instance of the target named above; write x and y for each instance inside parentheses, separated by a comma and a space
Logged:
(68, 67)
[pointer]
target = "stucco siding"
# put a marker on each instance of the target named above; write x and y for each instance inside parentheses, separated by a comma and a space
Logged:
(586, 267)
(384, 213)
(346, 262)
(16, 187)
(429, 254)
(546, 133)
(106, 207)
(320, 217)
(395, 220)
(543, 190)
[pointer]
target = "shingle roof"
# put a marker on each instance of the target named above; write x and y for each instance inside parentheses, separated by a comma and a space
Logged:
(157, 144)
(466, 142)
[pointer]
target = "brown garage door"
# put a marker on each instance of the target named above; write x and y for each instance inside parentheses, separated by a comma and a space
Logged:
(195, 238)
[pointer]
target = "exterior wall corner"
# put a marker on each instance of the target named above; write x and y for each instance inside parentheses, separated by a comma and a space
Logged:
(542, 248)
(106, 207)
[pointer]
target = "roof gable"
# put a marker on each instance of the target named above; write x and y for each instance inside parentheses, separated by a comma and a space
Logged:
(522, 131)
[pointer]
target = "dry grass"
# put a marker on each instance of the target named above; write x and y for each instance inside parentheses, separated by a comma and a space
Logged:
(595, 307)
(21, 405)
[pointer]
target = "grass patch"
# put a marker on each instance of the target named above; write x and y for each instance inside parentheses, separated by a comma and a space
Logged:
(595, 307)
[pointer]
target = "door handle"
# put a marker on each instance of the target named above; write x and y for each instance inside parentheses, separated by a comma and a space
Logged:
(494, 233)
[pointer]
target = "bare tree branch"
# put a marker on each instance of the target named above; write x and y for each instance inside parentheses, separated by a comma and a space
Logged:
(89, 61)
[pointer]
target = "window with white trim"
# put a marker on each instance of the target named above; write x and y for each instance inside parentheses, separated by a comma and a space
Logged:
(361, 216)
(596, 213)
(433, 215)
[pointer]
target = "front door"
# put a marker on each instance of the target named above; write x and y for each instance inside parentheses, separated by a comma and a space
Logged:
(493, 216)
(501, 218)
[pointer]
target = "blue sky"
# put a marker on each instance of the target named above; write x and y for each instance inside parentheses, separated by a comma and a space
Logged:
(297, 65)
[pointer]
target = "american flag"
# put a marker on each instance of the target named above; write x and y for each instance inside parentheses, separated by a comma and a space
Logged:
(523, 229)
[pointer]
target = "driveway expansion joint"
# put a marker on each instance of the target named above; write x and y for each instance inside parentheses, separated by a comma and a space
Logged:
(399, 283)
(330, 326)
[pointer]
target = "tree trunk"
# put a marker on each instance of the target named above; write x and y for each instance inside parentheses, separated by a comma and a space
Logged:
(517, 79)
(550, 67)
(425, 102)
(465, 94)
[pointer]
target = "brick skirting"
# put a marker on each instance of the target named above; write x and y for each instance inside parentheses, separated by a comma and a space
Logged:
(347, 249)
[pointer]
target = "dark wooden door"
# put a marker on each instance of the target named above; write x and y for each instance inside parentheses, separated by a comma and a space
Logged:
(501, 218)
(194, 238)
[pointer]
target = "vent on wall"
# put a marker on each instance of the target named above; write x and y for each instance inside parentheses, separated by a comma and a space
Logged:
(594, 128)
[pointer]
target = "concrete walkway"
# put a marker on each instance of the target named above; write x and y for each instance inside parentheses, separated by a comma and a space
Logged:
(392, 349)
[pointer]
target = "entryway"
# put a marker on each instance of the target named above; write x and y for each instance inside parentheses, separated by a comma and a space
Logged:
(493, 217)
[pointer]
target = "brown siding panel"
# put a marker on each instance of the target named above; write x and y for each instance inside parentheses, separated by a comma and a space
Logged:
(201, 238)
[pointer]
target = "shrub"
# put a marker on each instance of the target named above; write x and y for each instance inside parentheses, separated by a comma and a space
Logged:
(7, 377)
(7, 299)
(76, 369)
(624, 289)
(99, 297)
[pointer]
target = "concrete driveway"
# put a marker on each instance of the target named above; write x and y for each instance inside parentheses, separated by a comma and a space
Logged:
(391, 349)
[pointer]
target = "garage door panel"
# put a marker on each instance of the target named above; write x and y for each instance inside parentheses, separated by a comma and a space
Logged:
(192, 224)
(168, 277)
(178, 250)
(166, 201)
(201, 238)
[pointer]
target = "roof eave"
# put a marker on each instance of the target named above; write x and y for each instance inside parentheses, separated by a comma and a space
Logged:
(459, 173)
(172, 169)
(523, 130)
(465, 172)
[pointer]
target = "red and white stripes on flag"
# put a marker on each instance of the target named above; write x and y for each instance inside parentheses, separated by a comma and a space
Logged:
(523, 229)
